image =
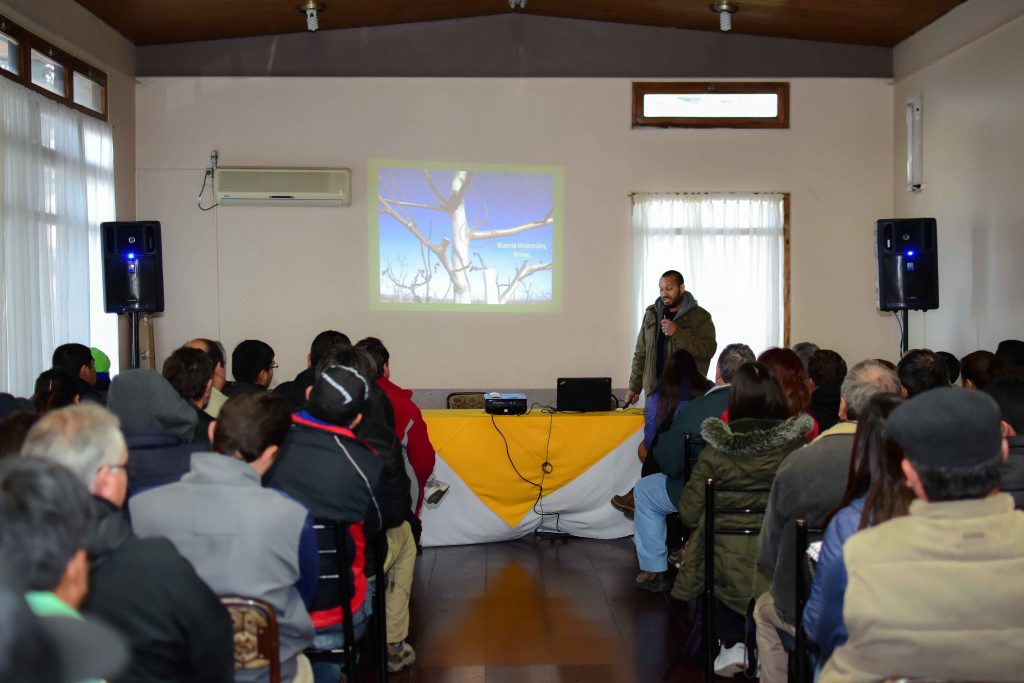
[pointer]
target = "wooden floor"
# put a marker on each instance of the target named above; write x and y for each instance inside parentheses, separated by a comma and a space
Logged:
(542, 611)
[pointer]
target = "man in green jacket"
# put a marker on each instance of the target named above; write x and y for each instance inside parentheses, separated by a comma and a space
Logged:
(673, 322)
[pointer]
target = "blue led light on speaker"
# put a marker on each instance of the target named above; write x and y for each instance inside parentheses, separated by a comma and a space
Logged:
(910, 253)
(130, 256)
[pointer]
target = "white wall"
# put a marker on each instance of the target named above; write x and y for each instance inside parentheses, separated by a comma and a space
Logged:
(973, 99)
(282, 275)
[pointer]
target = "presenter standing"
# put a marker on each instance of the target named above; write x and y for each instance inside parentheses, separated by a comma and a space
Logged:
(673, 322)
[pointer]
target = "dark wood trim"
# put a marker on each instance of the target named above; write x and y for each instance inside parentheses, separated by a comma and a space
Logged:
(641, 88)
(28, 41)
(785, 270)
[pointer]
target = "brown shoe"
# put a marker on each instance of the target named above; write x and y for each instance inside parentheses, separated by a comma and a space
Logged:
(624, 502)
(655, 582)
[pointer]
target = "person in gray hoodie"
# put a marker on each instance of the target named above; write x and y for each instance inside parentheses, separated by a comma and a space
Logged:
(158, 425)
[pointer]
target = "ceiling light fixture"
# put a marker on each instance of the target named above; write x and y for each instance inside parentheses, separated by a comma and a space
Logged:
(310, 8)
(724, 10)
(517, 4)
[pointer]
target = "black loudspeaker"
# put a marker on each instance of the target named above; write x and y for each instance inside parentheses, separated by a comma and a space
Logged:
(908, 264)
(133, 271)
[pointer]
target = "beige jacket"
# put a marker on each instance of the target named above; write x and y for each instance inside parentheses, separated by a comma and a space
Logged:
(938, 594)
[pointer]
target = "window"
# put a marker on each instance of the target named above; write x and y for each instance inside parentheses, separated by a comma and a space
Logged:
(50, 281)
(711, 105)
(732, 249)
(36, 64)
(9, 54)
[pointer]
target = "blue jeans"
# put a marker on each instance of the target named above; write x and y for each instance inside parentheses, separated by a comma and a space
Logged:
(334, 637)
(652, 506)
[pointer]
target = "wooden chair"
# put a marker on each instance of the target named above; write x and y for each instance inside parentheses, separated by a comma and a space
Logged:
(711, 530)
(465, 400)
(254, 624)
(334, 560)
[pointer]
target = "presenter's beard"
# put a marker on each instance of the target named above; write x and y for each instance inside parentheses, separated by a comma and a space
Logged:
(672, 303)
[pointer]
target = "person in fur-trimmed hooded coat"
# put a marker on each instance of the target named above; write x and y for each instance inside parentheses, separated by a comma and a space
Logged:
(745, 453)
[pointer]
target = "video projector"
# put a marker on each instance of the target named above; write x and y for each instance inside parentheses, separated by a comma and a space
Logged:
(504, 404)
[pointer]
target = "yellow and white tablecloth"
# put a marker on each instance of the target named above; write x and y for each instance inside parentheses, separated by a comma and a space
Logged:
(592, 457)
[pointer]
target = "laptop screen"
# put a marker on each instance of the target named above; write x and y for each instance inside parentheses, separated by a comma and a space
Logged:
(584, 394)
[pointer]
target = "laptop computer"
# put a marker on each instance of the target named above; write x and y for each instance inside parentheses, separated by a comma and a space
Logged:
(583, 394)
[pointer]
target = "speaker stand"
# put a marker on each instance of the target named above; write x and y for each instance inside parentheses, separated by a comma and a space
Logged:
(133, 334)
(905, 334)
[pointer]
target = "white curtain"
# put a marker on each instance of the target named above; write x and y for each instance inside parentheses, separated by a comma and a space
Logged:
(729, 248)
(56, 186)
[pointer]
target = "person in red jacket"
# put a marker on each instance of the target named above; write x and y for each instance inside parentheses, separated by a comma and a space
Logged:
(409, 424)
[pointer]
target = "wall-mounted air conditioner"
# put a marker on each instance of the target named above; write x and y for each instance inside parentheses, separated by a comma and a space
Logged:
(283, 186)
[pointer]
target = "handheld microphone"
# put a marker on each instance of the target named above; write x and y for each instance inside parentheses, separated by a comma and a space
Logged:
(666, 315)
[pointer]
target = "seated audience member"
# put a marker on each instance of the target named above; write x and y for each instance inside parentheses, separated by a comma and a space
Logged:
(787, 370)
(937, 594)
(1010, 353)
(45, 521)
(743, 453)
(659, 493)
(952, 365)
(215, 352)
(920, 370)
(295, 391)
(77, 361)
(101, 363)
(190, 372)
(44, 528)
(13, 430)
(261, 545)
(158, 425)
(978, 368)
(826, 370)
(12, 404)
(55, 389)
(1008, 392)
(875, 492)
(808, 485)
(52, 649)
(410, 428)
(176, 628)
(377, 428)
(680, 382)
(337, 477)
(252, 364)
(805, 350)
(669, 448)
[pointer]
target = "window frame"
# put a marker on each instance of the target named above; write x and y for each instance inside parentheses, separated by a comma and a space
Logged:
(778, 88)
(28, 41)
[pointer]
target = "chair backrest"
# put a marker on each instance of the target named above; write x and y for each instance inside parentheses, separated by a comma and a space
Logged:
(465, 400)
(801, 573)
(254, 624)
(335, 561)
(737, 525)
(693, 444)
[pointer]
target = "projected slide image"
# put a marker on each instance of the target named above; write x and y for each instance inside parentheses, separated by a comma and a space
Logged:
(471, 235)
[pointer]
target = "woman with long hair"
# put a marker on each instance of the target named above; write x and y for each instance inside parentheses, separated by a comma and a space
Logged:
(875, 491)
(791, 375)
(680, 383)
(741, 454)
(55, 389)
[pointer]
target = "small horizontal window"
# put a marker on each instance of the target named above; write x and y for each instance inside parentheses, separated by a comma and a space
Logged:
(711, 105)
(9, 54)
(48, 73)
(87, 92)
